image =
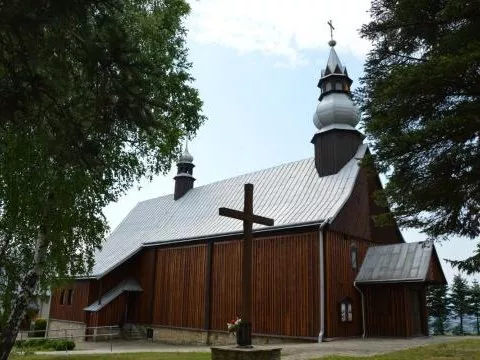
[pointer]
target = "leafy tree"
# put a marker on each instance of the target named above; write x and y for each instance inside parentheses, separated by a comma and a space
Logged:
(437, 304)
(459, 299)
(475, 303)
(94, 95)
(421, 104)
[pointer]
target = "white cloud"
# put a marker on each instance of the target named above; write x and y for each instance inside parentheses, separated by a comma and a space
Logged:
(282, 28)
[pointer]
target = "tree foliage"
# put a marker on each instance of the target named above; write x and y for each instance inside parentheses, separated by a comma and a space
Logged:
(421, 106)
(459, 299)
(437, 304)
(94, 95)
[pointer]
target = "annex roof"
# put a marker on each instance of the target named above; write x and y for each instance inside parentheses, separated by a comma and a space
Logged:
(128, 284)
(292, 194)
(400, 263)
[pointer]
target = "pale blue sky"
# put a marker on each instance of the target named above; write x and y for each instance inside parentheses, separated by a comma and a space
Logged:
(257, 64)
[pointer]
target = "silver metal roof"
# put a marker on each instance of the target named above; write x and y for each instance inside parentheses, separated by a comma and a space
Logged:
(291, 194)
(333, 62)
(406, 262)
(128, 284)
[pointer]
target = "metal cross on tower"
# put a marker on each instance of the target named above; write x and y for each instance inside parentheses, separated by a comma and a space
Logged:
(244, 334)
(331, 29)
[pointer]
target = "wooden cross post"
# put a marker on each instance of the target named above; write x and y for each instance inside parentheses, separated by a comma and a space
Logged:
(244, 334)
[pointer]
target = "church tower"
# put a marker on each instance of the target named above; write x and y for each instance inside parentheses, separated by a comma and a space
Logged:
(336, 116)
(184, 179)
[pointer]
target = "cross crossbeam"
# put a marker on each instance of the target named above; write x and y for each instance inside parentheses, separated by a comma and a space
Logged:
(244, 334)
(240, 215)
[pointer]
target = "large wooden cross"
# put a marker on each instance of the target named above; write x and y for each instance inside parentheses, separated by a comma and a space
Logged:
(244, 336)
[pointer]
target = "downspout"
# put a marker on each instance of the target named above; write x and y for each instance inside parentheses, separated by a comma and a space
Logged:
(322, 282)
(363, 308)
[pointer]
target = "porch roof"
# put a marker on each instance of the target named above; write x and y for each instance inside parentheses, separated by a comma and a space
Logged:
(401, 263)
(128, 284)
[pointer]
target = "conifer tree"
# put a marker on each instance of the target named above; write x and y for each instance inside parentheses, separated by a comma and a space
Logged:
(475, 303)
(459, 300)
(437, 304)
(421, 104)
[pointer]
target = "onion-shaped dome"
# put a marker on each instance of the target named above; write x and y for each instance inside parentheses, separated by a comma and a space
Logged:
(186, 157)
(336, 106)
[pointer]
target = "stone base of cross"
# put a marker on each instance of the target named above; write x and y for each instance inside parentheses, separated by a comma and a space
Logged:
(244, 333)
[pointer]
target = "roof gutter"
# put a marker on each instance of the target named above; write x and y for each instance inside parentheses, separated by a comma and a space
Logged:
(321, 335)
(363, 309)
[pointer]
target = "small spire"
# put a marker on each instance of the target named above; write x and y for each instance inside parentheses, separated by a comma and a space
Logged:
(332, 42)
(186, 157)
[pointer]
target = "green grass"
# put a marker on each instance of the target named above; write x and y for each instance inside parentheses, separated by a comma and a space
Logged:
(458, 350)
(464, 350)
(126, 356)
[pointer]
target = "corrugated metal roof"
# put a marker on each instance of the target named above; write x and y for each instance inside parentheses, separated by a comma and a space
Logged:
(406, 262)
(129, 284)
(291, 194)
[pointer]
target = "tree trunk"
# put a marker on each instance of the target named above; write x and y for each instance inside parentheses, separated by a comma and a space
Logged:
(478, 326)
(461, 324)
(22, 299)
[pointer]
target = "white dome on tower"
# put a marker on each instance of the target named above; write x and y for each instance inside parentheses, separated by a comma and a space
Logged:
(336, 108)
(186, 157)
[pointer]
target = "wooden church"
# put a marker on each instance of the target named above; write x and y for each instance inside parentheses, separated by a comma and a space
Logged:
(323, 271)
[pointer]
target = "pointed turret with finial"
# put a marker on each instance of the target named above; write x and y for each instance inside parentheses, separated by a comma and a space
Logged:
(184, 179)
(336, 116)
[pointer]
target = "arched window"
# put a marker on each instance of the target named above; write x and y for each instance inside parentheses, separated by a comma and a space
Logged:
(346, 310)
(354, 257)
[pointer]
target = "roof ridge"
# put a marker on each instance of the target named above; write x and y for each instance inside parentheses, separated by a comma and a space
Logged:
(232, 177)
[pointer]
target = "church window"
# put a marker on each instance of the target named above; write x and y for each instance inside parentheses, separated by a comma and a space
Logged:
(62, 296)
(354, 257)
(346, 310)
(70, 297)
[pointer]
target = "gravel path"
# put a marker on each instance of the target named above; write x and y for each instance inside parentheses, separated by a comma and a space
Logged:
(350, 347)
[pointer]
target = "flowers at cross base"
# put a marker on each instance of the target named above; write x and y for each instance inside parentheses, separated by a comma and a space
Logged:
(233, 325)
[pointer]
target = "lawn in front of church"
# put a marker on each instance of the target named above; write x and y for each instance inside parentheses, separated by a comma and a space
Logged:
(466, 349)
(455, 350)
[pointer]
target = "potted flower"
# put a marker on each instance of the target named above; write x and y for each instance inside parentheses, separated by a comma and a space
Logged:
(233, 325)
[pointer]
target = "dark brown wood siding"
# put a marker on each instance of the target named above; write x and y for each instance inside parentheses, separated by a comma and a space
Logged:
(286, 284)
(74, 311)
(140, 267)
(435, 273)
(180, 287)
(226, 283)
(340, 276)
(356, 216)
(395, 310)
(386, 309)
(333, 149)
